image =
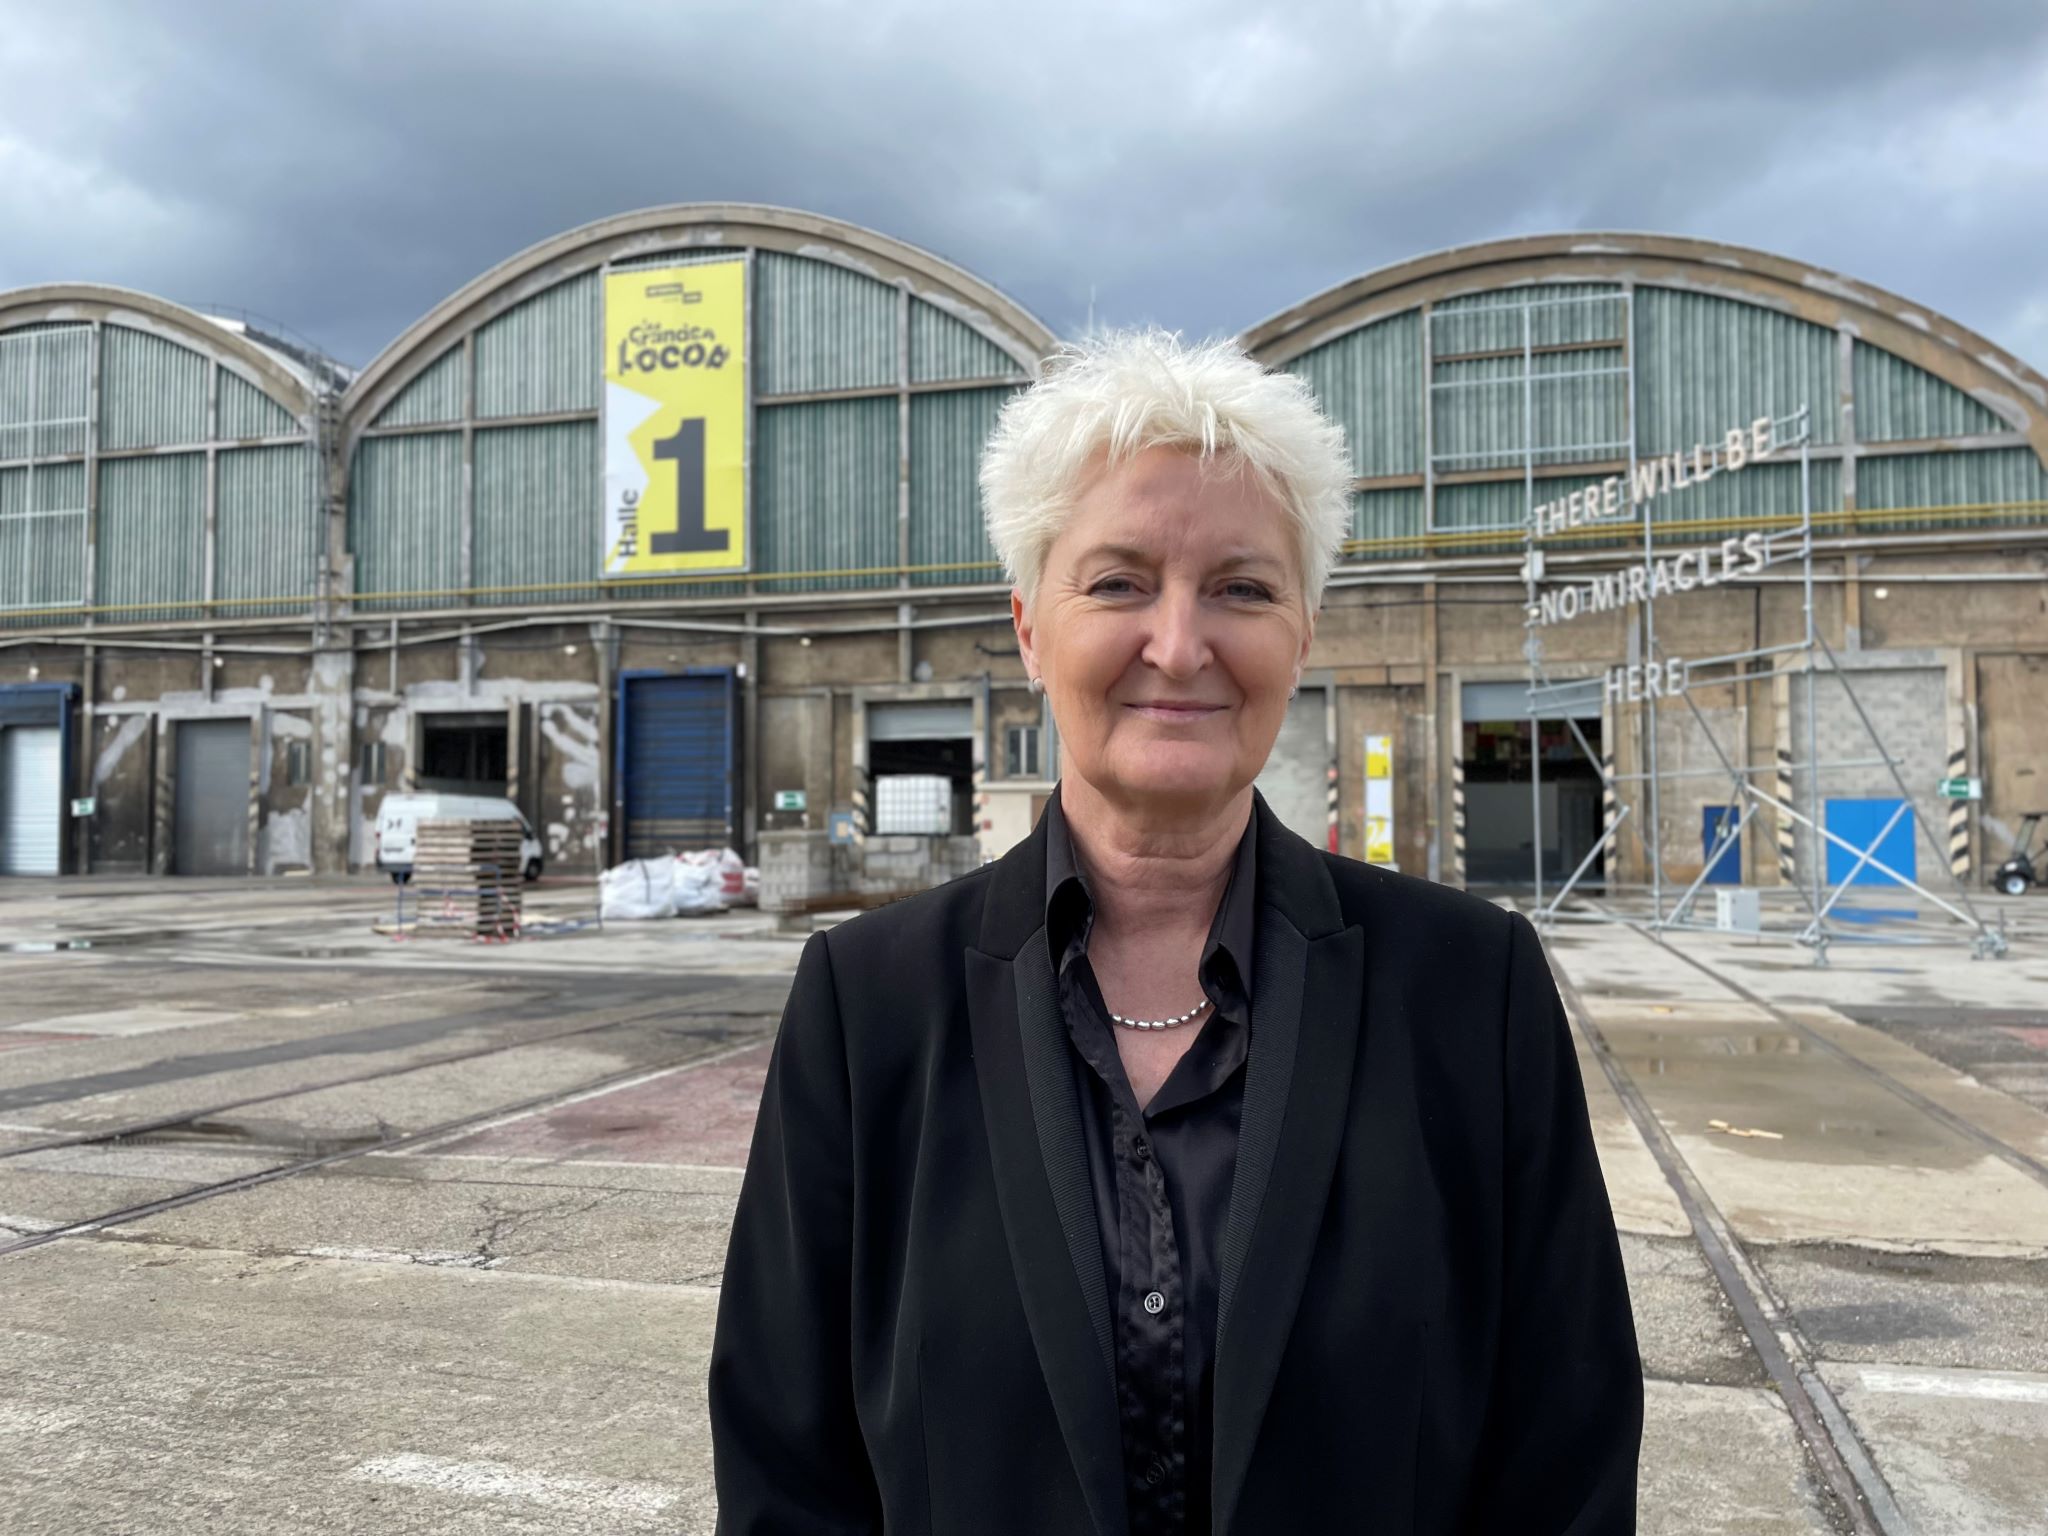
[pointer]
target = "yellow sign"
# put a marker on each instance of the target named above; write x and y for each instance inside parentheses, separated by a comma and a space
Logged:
(1379, 840)
(675, 420)
(1379, 800)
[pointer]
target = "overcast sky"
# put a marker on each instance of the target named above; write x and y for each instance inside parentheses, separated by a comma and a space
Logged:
(340, 167)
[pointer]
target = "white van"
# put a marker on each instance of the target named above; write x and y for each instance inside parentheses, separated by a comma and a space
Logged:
(399, 818)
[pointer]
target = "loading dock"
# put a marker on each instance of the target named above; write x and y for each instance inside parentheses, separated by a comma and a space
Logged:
(1499, 767)
(35, 724)
(675, 760)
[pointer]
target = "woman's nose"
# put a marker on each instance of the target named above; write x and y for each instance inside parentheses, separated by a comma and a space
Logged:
(1177, 644)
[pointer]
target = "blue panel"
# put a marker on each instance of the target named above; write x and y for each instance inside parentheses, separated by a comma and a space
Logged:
(1858, 822)
(676, 760)
(1727, 869)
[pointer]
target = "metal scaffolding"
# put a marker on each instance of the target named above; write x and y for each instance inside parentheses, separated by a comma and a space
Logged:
(1791, 792)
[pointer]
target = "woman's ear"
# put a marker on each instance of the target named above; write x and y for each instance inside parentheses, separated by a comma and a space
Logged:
(1020, 620)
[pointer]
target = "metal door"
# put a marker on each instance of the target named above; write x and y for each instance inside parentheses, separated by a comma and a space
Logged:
(31, 807)
(1296, 778)
(1727, 869)
(1863, 823)
(676, 761)
(210, 798)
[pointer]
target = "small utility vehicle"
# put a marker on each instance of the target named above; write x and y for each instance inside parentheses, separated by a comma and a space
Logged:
(2028, 864)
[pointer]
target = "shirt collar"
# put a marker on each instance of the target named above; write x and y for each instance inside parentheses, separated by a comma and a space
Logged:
(1070, 907)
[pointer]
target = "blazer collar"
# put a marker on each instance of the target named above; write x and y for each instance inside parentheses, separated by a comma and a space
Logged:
(1290, 877)
(1306, 989)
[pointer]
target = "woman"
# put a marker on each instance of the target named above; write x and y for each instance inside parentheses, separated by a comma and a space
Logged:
(1170, 1175)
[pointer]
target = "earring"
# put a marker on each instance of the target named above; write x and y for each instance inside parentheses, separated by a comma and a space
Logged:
(1295, 691)
(1038, 685)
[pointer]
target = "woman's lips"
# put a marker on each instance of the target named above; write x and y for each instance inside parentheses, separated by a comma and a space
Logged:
(1176, 713)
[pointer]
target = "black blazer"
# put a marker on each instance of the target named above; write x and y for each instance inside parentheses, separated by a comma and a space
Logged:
(1423, 1324)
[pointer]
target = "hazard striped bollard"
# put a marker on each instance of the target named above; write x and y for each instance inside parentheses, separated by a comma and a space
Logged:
(1458, 820)
(1610, 806)
(1959, 820)
(1788, 858)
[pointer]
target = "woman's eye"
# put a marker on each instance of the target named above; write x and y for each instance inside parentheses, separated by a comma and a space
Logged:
(1113, 586)
(1248, 589)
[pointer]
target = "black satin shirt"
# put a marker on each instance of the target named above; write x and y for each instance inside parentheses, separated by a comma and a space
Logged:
(1162, 1175)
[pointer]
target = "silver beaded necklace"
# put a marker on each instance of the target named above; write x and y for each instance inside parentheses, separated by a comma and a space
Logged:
(1172, 1023)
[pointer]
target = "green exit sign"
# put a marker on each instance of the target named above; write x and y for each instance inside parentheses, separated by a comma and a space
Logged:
(789, 800)
(1962, 789)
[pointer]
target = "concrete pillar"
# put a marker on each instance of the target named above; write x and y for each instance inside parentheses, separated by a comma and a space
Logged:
(332, 682)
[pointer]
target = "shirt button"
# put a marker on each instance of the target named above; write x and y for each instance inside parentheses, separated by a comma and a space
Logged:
(1154, 1303)
(1155, 1472)
(1140, 1152)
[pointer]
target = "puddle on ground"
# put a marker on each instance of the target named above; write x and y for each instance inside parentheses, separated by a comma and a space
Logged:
(95, 941)
(1823, 1111)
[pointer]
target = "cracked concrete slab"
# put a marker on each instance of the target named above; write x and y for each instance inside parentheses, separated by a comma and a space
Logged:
(1858, 1304)
(508, 1169)
(671, 1237)
(1960, 1450)
(34, 1200)
(237, 1395)
(1724, 1461)
(1685, 1328)
(297, 1110)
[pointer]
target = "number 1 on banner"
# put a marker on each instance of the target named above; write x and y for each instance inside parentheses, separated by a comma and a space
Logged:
(686, 449)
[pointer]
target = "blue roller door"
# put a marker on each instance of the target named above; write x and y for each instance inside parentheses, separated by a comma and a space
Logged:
(675, 760)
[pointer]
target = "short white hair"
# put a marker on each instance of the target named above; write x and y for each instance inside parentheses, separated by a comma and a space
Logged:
(1123, 392)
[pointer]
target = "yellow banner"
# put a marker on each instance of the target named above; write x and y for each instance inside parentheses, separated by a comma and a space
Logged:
(675, 420)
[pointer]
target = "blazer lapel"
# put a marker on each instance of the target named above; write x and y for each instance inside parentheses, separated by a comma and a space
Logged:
(1309, 975)
(1041, 1175)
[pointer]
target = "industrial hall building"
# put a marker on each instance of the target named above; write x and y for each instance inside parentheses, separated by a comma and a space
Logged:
(246, 592)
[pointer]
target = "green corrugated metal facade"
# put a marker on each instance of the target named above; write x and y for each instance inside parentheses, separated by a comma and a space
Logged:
(825, 488)
(543, 356)
(824, 492)
(1370, 383)
(139, 552)
(267, 529)
(1705, 364)
(947, 431)
(155, 391)
(2008, 484)
(42, 535)
(152, 536)
(1450, 452)
(536, 491)
(434, 397)
(479, 480)
(1896, 401)
(404, 497)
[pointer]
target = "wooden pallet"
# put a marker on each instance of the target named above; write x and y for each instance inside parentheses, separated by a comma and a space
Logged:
(466, 878)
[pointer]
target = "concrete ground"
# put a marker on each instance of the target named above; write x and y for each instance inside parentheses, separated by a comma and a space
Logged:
(487, 1305)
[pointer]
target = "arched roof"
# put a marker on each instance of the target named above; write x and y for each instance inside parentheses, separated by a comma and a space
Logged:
(278, 376)
(680, 227)
(2004, 385)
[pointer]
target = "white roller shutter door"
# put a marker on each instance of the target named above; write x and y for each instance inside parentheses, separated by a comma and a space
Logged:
(31, 814)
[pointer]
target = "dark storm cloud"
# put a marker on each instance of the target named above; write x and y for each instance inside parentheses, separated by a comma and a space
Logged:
(342, 168)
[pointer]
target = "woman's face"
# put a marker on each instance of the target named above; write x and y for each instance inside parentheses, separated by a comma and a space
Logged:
(1169, 626)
